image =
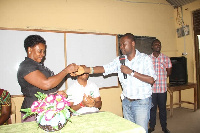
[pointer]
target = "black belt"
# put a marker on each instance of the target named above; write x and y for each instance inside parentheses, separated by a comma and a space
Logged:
(132, 99)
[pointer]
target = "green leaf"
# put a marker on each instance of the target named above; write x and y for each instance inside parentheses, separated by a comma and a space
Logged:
(27, 114)
(41, 117)
(73, 111)
(64, 113)
(26, 110)
(40, 95)
(56, 127)
(69, 119)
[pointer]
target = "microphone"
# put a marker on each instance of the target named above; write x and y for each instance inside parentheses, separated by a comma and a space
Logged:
(122, 61)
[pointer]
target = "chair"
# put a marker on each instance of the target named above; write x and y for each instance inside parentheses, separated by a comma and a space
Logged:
(12, 118)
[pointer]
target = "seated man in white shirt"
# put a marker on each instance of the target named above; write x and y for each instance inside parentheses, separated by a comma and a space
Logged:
(84, 95)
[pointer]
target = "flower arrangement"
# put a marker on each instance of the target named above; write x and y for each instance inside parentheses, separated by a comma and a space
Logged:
(52, 111)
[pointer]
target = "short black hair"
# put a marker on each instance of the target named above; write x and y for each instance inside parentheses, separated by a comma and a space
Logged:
(155, 40)
(33, 40)
(129, 36)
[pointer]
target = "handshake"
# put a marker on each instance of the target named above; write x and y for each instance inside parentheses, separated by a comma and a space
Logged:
(76, 70)
(79, 71)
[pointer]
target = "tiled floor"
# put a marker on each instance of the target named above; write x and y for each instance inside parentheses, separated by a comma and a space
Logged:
(183, 121)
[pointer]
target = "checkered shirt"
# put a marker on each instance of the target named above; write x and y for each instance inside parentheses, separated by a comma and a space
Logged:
(160, 64)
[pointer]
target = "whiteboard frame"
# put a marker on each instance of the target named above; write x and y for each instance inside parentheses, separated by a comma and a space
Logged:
(48, 63)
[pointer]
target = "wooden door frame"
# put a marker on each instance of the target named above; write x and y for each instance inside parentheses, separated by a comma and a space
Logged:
(197, 62)
(196, 29)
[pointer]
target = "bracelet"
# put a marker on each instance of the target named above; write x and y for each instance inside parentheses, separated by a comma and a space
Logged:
(91, 70)
(81, 104)
(132, 73)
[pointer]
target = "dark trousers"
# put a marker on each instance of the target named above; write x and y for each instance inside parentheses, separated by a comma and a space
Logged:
(158, 99)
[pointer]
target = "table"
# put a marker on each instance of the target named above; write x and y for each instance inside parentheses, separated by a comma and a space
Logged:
(102, 122)
(179, 88)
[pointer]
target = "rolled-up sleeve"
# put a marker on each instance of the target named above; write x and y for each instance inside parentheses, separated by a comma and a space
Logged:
(150, 69)
(112, 67)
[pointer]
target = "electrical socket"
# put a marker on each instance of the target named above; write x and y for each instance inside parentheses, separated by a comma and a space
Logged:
(184, 53)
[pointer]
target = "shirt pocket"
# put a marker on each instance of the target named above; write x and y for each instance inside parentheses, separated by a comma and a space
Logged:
(162, 65)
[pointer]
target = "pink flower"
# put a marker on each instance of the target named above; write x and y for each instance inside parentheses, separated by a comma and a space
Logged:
(38, 106)
(67, 102)
(35, 106)
(50, 99)
(60, 98)
(49, 115)
(42, 107)
(60, 105)
(49, 107)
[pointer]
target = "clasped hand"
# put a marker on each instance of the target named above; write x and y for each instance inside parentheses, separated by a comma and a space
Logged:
(78, 72)
(88, 101)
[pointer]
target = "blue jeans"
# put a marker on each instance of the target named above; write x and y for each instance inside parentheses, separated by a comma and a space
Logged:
(137, 111)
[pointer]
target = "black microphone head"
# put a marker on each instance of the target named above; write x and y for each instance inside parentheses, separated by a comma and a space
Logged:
(122, 59)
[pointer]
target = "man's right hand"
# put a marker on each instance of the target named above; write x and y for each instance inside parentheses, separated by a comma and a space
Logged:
(79, 72)
(88, 101)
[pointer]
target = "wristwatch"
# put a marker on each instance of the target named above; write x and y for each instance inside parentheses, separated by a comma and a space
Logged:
(132, 73)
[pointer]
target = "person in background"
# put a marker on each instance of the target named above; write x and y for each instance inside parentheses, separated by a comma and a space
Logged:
(163, 67)
(34, 77)
(84, 95)
(137, 87)
(5, 106)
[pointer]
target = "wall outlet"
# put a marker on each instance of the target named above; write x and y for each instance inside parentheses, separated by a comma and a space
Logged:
(184, 54)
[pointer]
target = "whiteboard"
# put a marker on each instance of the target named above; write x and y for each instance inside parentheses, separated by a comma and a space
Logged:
(87, 49)
(12, 53)
(92, 50)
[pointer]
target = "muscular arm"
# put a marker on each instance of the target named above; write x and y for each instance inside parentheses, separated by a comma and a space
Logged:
(169, 71)
(75, 107)
(39, 80)
(126, 70)
(142, 77)
(98, 102)
(97, 69)
(5, 114)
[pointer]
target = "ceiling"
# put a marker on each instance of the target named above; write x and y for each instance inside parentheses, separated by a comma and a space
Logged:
(179, 3)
